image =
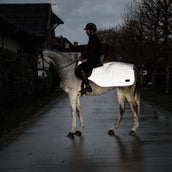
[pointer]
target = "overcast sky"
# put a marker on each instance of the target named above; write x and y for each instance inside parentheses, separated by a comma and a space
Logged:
(77, 13)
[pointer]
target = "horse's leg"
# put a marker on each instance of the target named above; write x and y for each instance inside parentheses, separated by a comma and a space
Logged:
(137, 98)
(134, 108)
(78, 110)
(121, 101)
(72, 98)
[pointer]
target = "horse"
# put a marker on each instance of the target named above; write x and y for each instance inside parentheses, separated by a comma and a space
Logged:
(71, 84)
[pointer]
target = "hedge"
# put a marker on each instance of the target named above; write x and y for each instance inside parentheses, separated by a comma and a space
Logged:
(19, 82)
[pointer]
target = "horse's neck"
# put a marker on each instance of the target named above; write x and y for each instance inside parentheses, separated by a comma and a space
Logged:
(59, 58)
(62, 62)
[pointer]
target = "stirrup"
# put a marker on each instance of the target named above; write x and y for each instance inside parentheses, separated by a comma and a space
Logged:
(85, 88)
(83, 92)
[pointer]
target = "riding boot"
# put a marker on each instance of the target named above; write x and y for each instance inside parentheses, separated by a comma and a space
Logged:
(83, 90)
(86, 81)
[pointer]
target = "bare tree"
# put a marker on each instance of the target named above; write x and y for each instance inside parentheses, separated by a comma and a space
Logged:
(151, 26)
(108, 39)
(165, 8)
(144, 36)
(150, 22)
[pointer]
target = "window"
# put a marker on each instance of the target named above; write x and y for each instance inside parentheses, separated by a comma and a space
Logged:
(66, 45)
(75, 56)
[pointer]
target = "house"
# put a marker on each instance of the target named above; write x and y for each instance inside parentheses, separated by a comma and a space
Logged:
(63, 44)
(74, 50)
(37, 21)
(11, 36)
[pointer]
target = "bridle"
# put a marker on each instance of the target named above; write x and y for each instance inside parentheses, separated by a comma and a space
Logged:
(43, 63)
(61, 68)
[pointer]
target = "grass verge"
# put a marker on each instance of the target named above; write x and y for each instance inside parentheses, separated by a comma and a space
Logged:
(158, 98)
(12, 118)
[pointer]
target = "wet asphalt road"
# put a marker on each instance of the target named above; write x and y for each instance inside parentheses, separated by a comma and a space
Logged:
(44, 147)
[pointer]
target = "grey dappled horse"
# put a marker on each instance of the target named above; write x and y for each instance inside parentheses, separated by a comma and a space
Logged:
(65, 67)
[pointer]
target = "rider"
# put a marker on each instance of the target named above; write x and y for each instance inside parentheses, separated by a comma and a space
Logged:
(90, 57)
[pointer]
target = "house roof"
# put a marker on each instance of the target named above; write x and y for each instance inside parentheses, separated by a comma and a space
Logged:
(32, 18)
(11, 29)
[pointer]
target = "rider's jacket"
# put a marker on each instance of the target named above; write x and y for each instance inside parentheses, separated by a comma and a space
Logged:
(92, 54)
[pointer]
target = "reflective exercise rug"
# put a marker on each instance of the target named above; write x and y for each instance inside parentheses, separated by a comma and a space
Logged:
(113, 74)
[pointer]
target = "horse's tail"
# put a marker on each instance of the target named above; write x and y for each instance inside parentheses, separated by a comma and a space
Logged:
(137, 88)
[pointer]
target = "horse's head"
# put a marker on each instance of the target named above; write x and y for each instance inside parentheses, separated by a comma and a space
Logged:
(43, 65)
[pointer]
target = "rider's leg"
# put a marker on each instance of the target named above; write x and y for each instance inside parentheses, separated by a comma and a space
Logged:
(86, 81)
(81, 72)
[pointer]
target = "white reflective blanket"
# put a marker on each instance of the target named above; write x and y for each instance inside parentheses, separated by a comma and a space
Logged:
(113, 74)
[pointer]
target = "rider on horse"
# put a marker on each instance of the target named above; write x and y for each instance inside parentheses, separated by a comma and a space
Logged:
(90, 57)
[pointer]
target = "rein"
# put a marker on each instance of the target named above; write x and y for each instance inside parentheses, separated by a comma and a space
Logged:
(44, 60)
(69, 64)
(76, 61)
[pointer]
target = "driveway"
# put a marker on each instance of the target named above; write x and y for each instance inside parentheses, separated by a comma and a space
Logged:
(44, 147)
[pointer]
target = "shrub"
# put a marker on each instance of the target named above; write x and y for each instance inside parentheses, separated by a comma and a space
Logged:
(17, 78)
(19, 82)
(21, 89)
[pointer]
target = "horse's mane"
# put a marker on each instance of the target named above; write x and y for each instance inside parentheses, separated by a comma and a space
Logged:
(67, 57)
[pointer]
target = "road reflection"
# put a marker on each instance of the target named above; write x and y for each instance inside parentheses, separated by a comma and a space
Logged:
(127, 156)
(77, 154)
(130, 154)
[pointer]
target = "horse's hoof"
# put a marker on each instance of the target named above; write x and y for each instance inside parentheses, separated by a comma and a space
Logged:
(111, 132)
(78, 133)
(70, 135)
(132, 133)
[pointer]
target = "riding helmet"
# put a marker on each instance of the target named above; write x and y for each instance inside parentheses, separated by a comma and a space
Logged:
(91, 26)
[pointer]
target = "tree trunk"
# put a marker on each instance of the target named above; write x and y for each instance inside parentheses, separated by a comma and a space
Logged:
(167, 78)
(154, 78)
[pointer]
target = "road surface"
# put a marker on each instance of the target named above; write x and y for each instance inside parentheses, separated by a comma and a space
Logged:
(44, 147)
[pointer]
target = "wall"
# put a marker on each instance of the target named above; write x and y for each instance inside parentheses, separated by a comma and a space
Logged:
(74, 55)
(9, 43)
